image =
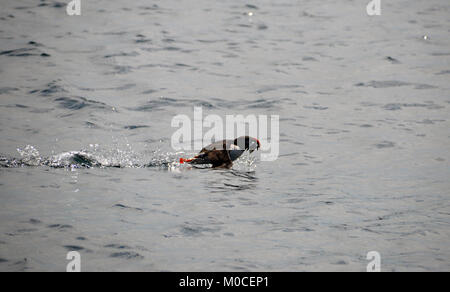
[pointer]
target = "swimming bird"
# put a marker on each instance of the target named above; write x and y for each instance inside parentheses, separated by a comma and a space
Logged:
(222, 154)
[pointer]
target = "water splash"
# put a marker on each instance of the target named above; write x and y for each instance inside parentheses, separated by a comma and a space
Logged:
(100, 157)
(246, 163)
(94, 157)
(159, 158)
(30, 156)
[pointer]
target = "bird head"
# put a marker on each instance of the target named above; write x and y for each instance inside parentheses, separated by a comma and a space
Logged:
(247, 143)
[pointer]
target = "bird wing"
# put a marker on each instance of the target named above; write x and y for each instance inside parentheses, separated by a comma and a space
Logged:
(215, 154)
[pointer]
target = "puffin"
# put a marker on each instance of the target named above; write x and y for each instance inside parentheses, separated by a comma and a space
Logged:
(222, 154)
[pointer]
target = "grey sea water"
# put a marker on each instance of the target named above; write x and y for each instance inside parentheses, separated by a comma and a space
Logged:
(86, 104)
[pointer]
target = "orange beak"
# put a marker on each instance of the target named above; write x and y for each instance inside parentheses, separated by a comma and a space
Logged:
(183, 160)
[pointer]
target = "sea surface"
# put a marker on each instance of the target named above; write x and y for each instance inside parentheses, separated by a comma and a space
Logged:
(86, 163)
